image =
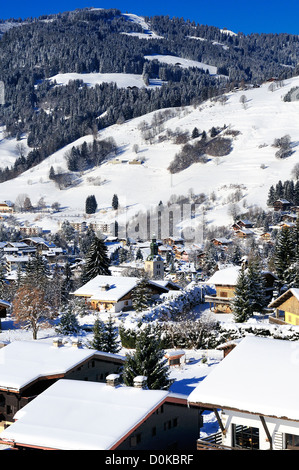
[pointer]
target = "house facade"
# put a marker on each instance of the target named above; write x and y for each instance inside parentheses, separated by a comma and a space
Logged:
(253, 393)
(225, 281)
(114, 293)
(286, 307)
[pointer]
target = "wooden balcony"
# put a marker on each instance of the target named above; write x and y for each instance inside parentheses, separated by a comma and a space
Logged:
(214, 442)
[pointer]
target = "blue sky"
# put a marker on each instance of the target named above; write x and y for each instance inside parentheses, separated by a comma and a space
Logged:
(254, 16)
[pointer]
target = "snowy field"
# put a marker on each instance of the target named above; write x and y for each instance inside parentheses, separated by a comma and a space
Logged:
(251, 164)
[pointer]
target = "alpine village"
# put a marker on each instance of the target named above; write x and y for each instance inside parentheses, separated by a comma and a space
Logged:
(149, 235)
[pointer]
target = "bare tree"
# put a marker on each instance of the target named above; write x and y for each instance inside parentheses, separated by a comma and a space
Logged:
(31, 310)
(295, 171)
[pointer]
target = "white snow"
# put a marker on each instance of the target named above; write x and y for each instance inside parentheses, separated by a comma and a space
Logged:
(117, 287)
(21, 362)
(51, 420)
(122, 80)
(184, 63)
(259, 376)
(251, 165)
(226, 276)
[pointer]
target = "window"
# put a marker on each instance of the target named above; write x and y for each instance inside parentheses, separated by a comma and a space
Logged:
(135, 440)
(292, 441)
(223, 294)
(154, 431)
(245, 437)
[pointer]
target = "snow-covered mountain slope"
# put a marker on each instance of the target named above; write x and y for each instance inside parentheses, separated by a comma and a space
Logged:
(251, 165)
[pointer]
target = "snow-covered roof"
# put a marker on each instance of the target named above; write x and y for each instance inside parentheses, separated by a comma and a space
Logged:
(226, 276)
(260, 375)
(285, 296)
(110, 413)
(21, 362)
(110, 288)
(117, 287)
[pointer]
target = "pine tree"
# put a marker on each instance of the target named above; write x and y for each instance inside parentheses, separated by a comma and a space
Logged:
(195, 133)
(68, 323)
(256, 288)
(115, 202)
(284, 254)
(111, 337)
(98, 341)
(147, 360)
(97, 260)
(140, 296)
(91, 205)
(241, 306)
(271, 196)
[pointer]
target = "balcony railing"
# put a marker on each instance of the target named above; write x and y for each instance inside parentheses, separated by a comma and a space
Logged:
(214, 442)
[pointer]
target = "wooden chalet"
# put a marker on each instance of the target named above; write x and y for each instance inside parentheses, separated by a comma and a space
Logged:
(27, 368)
(6, 207)
(252, 393)
(225, 281)
(108, 416)
(114, 293)
(223, 242)
(244, 223)
(286, 307)
(281, 205)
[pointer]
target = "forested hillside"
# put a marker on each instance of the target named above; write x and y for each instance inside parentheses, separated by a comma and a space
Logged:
(96, 40)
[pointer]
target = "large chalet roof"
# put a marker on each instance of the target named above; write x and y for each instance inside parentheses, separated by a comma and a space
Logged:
(259, 376)
(225, 276)
(111, 288)
(108, 414)
(285, 296)
(23, 362)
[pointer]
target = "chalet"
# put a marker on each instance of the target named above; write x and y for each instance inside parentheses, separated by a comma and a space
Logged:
(244, 233)
(171, 241)
(287, 307)
(114, 293)
(244, 223)
(291, 217)
(281, 205)
(266, 236)
(30, 231)
(253, 393)
(224, 242)
(29, 367)
(6, 207)
(97, 416)
(225, 280)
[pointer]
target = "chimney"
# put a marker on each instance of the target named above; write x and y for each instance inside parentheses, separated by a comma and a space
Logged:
(76, 343)
(57, 342)
(105, 287)
(140, 382)
(113, 380)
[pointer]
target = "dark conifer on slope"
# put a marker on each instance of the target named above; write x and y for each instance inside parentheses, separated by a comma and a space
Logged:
(96, 261)
(105, 336)
(241, 305)
(147, 361)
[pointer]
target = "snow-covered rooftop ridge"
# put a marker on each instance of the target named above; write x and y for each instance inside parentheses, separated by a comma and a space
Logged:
(107, 287)
(226, 276)
(111, 288)
(268, 371)
(22, 362)
(110, 413)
